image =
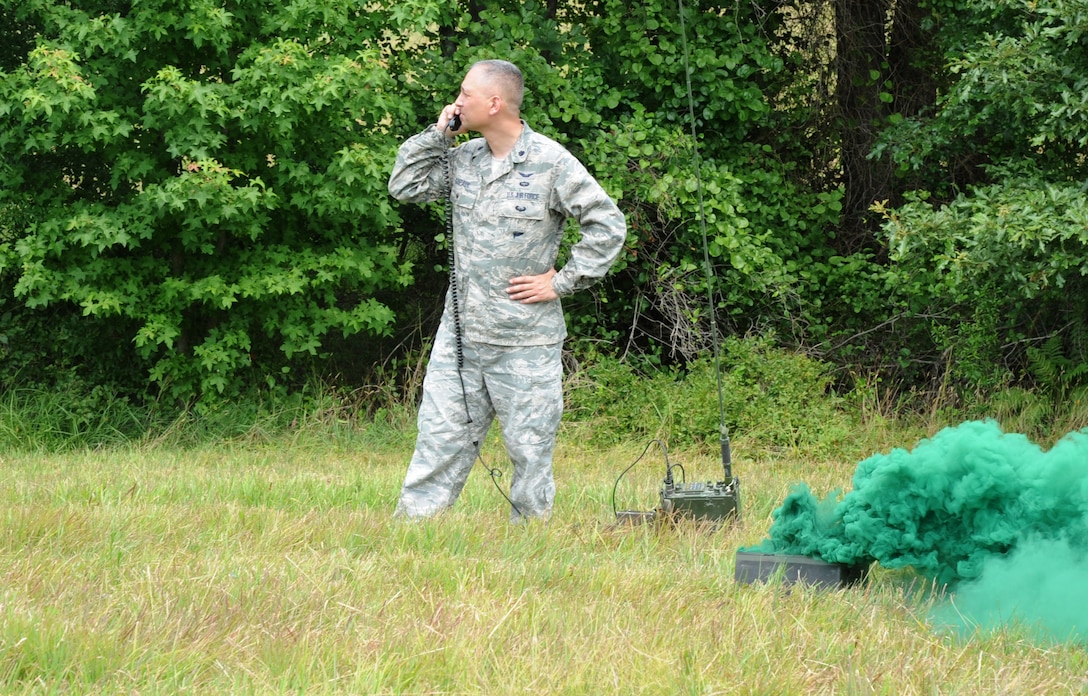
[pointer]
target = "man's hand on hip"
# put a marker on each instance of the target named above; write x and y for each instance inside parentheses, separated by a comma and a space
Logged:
(533, 288)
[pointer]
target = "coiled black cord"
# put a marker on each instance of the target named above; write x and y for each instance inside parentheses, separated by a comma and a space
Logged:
(452, 261)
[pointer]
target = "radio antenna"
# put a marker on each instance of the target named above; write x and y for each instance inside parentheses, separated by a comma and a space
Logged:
(727, 463)
(705, 501)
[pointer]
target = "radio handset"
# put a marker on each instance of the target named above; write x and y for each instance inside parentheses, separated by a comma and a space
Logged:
(454, 123)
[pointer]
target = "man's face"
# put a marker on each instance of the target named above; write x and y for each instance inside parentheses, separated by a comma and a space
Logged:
(475, 100)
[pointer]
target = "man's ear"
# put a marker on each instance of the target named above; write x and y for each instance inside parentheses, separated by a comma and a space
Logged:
(496, 105)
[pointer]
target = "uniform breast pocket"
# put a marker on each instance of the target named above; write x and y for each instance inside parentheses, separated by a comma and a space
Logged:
(521, 223)
(520, 246)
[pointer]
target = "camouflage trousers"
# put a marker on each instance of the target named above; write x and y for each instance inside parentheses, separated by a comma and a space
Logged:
(522, 387)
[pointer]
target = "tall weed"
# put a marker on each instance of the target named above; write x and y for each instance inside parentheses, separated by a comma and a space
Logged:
(73, 415)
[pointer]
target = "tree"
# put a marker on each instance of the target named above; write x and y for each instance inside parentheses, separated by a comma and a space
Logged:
(996, 232)
(198, 188)
(212, 179)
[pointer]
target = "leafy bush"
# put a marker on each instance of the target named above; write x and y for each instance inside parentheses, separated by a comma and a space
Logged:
(993, 246)
(211, 182)
(773, 396)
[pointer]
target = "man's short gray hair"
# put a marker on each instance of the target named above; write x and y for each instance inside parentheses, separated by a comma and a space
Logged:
(507, 79)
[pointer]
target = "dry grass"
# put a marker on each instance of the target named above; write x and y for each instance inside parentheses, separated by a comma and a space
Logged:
(276, 568)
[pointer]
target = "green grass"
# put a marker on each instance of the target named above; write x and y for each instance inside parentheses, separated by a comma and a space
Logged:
(272, 564)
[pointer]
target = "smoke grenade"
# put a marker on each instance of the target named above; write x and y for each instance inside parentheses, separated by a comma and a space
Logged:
(991, 516)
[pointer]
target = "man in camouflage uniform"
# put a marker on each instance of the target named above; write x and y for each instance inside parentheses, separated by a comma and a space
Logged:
(512, 192)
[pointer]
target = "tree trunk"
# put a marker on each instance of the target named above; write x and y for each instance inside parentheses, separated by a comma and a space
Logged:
(882, 67)
(861, 68)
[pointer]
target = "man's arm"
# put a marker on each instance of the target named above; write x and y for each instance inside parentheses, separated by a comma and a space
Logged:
(418, 175)
(603, 229)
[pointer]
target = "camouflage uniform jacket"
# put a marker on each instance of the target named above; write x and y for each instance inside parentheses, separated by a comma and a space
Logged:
(509, 222)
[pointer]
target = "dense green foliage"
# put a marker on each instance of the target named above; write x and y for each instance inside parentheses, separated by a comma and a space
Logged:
(212, 181)
(770, 396)
(776, 398)
(193, 195)
(992, 239)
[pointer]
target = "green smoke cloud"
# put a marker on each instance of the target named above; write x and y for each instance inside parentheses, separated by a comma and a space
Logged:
(989, 514)
(1038, 587)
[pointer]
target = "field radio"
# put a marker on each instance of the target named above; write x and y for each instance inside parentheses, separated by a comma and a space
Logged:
(699, 501)
(710, 501)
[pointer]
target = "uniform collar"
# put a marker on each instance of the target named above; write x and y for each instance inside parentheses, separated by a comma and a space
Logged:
(521, 148)
(519, 153)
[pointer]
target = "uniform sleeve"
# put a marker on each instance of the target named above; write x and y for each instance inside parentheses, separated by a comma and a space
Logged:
(603, 228)
(418, 175)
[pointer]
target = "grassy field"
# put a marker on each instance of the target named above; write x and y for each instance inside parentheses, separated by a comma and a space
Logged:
(272, 565)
